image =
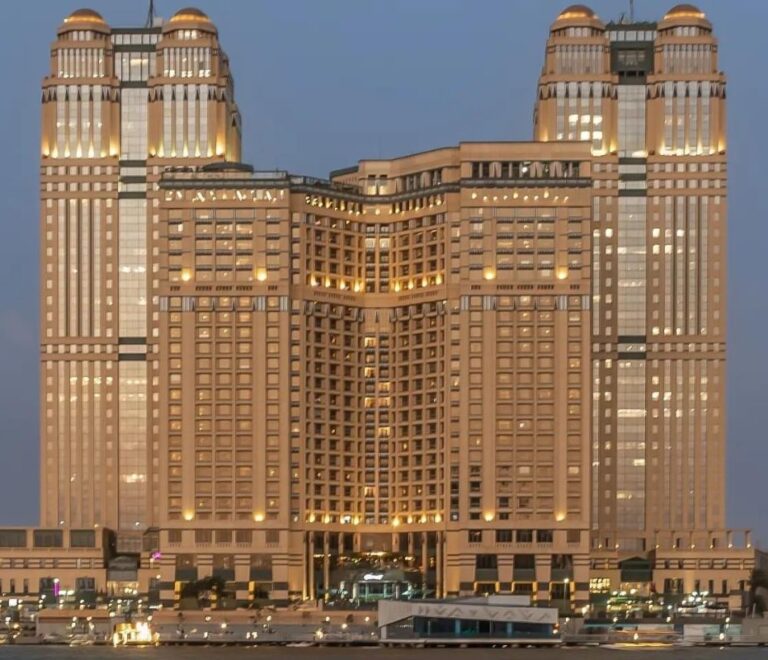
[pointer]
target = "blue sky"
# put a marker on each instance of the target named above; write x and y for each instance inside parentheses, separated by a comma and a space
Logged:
(323, 84)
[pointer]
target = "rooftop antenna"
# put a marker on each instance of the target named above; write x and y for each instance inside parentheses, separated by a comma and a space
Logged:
(151, 14)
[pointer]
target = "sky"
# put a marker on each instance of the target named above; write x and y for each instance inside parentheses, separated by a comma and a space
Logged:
(322, 84)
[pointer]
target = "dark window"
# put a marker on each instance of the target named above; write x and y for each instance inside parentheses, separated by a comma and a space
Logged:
(261, 590)
(562, 561)
(544, 536)
(503, 536)
(174, 536)
(573, 535)
(673, 586)
(85, 584)
(243, 536)
(524, 536)
(486, 561)
(82, 538)
(13, 538)
(48, 538)
(559, 591)
(262, 562)
(475, 536)
(525, 561)
(223, 536)
(203, 536)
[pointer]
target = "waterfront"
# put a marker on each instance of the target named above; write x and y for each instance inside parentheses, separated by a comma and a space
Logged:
(273, 653)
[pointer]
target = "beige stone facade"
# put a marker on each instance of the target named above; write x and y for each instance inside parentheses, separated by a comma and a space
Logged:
(441, 374)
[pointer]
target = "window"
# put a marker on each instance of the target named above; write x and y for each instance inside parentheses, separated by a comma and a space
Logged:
(13, 538)
(48, 538)
(243, 536)
(203, 536)
(82, 538)
(524, 536)
(503, 536)
(223, 536)
(272, 536)
(475, 536)
(486, 561)
(544, 536)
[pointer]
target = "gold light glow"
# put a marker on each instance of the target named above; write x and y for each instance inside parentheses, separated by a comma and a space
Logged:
(489, 273)
(189, 515)
(560, 516)
(186, 275)
(395, 522)
(562, 272)
(258, 517)
(489, 516)
(261, 274)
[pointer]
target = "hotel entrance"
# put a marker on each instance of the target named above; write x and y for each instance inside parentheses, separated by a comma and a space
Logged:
(362, 569)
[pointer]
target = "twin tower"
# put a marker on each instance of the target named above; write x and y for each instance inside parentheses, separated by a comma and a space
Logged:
(488, 367)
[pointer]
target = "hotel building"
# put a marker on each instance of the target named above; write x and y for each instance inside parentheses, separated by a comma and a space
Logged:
(441, 374)
(650, 100)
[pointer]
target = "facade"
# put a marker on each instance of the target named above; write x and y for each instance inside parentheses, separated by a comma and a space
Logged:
(650, 99)
(118, 106)
(416, 378)
(384, 302)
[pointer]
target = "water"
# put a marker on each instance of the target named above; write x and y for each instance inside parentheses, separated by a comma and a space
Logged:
(280, 653)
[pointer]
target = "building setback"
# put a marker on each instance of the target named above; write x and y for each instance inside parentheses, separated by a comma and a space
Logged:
(495, 366)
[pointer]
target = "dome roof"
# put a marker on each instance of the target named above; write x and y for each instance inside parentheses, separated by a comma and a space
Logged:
(84, 19)
(685, 14)
(684, 11)
(576, 11)
(85, 16)
(578, 16)
(191, 16)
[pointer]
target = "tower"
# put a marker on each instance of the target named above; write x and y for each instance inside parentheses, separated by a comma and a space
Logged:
(118, 105)
(650, 99)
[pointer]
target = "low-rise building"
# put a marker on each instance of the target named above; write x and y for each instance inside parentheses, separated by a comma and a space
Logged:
(480, 621)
